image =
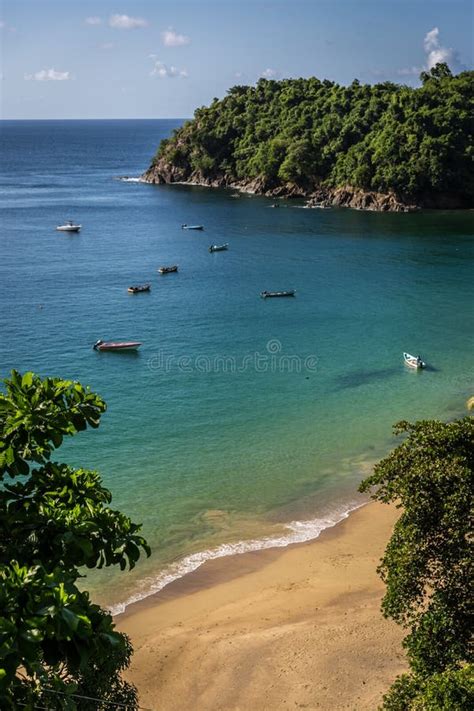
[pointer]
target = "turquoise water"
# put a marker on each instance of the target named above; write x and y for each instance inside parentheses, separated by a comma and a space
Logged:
(238, 415)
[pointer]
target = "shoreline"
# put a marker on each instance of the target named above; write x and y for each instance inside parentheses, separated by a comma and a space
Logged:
(273, 629)
(296, 532)
(315, 195)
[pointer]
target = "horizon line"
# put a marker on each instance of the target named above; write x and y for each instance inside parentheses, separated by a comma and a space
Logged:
(107, 118)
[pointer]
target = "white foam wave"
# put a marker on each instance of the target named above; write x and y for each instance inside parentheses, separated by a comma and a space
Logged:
(126, 179)
(297, 532)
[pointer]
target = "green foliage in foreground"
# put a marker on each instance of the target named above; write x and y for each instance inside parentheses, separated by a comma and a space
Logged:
(428, 563)
(54, 520)
(307, 132)
(451, 690)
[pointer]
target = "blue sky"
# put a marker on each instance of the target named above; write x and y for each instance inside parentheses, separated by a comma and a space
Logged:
(163, 58)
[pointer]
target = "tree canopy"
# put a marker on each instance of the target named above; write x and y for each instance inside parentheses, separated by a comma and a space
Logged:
(428, 563)
(55, 643)
(309, 133)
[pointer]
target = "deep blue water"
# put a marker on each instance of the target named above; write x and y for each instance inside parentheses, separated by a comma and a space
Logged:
(220, 428)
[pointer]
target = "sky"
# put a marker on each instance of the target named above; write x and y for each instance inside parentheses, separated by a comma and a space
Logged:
(164, 58)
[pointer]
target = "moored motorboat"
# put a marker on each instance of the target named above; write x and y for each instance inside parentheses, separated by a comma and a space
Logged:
(138, 289)
(413, 361)
(192, 227)
(270, 294)
(219, 247)
(168, 270)
(69, 226)
(117, 346)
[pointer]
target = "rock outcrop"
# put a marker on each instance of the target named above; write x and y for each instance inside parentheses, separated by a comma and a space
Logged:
(163, 172)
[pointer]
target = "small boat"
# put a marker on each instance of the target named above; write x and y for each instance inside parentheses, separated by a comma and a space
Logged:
(69, 227)
(413, 361)
(192, 227)
(219, 247)
(117, 346)
(138, 289)
(275, 204)
(270, 294)
(168, 270)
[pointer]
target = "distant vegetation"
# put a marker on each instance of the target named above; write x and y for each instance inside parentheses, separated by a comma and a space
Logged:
(416, 143)
(428, 563)
(56, 646)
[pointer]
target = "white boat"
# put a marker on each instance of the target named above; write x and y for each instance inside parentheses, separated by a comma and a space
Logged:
(192, 227)
(219, 247)
(69, 227)
(413, 361)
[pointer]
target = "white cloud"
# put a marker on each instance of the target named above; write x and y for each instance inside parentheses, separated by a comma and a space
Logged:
(125, 22)
(107, 45)
(93, 20)
(170, 38)
(435, 51)
(163, 71)
(442, 54)
(47, 75)
(2, 24)
(431, 39)
(269, 73)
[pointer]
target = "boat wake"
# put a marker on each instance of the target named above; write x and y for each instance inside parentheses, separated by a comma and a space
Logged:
(297, 532)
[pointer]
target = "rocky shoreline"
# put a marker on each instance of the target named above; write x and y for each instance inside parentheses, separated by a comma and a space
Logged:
(163, 173)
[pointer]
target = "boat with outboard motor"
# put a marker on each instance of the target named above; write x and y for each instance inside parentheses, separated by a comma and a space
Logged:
(168, 270)
(139, 289)
(116, 346)
(413, 361)
(69, 226)
(272, 294)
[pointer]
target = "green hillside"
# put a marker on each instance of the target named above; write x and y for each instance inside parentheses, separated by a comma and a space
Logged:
(297, 135)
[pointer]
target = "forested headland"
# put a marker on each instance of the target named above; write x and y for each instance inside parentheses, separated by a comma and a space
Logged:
(384, 146)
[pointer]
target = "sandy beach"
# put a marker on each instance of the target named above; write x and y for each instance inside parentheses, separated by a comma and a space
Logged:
(299, 628)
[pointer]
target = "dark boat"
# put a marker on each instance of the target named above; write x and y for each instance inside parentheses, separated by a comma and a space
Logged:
(219, 247)
(116, 346)
(271, 294)
(168, 270)
(138, 289)
(192, 227)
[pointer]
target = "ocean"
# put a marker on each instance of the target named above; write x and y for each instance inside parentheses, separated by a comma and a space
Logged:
(241, 423)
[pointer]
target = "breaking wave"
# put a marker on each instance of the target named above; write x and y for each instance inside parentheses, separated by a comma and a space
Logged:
(296, 532)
